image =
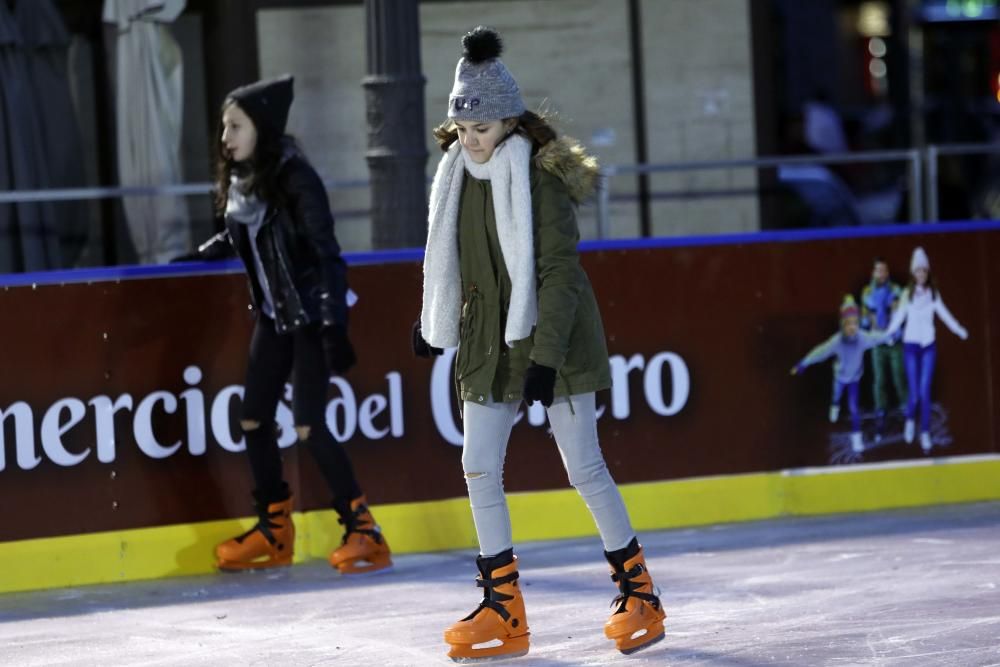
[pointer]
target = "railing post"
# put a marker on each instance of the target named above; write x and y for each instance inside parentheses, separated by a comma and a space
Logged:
(394, 104)
(933, 214)
(916, 198)
(604, 202)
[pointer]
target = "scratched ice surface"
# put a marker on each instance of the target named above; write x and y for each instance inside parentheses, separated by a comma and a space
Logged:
(916, 587)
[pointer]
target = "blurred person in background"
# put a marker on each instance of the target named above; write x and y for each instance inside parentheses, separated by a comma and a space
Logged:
(826, 200)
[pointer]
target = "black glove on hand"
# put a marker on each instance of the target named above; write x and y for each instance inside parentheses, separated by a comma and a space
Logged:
(337, 349)
(420, 346)
(539, 384)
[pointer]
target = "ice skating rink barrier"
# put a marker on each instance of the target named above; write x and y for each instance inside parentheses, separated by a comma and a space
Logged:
(121, 458)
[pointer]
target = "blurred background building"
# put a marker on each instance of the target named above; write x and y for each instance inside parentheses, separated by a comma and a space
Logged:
(701, 92)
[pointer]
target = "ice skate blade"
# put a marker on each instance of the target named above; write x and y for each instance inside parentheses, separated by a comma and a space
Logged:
(354, 571)
(514, 647)
(240, 566)
(629, 650)
(491, 658)
(486, 655)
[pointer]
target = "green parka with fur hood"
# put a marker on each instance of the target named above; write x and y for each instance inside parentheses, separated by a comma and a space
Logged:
(568, 336)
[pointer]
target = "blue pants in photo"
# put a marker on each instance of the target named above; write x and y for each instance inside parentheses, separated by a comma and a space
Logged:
(852, 400)
(919, 373)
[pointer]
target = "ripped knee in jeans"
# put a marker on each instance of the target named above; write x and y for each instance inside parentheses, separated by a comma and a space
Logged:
(475, 475)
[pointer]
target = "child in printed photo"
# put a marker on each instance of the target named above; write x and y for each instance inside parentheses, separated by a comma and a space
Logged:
(847, 347)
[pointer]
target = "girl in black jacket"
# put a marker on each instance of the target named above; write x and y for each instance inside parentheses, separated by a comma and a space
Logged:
(278, 221)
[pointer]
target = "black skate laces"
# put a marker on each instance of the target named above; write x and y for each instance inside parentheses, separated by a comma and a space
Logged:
(492, 597)
(630, 589)
(352, 524)
(264, 525)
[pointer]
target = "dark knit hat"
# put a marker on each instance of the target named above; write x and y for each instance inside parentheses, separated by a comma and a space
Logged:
(484, 90)
(266, 102)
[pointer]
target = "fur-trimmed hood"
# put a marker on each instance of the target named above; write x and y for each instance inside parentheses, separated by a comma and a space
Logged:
(566, 159)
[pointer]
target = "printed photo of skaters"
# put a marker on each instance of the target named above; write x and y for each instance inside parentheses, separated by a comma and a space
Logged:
(887, 340)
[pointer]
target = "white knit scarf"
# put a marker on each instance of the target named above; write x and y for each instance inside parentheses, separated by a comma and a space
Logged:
(508, 172)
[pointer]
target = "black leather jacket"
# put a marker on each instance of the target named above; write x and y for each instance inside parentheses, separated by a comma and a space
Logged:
(301, 257)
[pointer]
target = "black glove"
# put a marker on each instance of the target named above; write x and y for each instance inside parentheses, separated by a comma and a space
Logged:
(420, 346)
(337, 349)
(539, 384)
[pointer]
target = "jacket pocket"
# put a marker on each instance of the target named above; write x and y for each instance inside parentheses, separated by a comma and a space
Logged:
(470, 358)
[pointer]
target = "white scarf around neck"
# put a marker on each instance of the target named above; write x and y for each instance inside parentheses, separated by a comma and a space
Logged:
(244, 206)
(508, 173)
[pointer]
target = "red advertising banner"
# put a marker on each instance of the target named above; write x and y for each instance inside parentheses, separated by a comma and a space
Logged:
(118, 397)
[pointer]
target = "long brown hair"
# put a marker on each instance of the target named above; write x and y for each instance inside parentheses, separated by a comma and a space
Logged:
(262, 167)
(929, 285)
(530, 125)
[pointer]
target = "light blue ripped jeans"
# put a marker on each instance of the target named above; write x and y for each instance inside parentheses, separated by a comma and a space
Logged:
(487, 432)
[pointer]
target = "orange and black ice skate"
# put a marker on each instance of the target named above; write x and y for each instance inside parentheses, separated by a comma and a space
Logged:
(364, 548)
(638, 620)
(270, 543)
(498, 627)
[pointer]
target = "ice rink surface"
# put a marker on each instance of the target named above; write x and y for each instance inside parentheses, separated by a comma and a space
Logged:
(915, 587)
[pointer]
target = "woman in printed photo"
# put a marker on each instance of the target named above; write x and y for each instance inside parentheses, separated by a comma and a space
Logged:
(920, 303)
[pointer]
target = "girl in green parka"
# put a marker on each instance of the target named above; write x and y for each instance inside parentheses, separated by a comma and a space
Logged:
(503, 283)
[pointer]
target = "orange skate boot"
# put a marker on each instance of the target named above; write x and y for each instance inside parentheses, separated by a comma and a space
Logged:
(364, 548)
(498, 627)
(270, 543)
(638, 621)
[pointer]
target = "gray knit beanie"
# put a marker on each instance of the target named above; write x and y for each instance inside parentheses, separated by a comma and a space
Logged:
(484, 90)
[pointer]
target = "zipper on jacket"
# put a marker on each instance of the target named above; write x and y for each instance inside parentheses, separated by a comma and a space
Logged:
(569, 398)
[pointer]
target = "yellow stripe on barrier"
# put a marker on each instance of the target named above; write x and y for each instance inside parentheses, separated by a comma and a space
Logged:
(153, 553)
(869, 487)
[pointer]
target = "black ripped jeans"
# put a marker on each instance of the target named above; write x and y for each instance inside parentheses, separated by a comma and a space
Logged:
(273, 357)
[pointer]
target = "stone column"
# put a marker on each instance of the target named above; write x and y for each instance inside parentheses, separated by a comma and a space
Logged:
(397, 133)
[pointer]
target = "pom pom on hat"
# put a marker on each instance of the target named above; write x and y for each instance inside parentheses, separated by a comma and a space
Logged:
(919, 260)
(481, 44)
(848, 308)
